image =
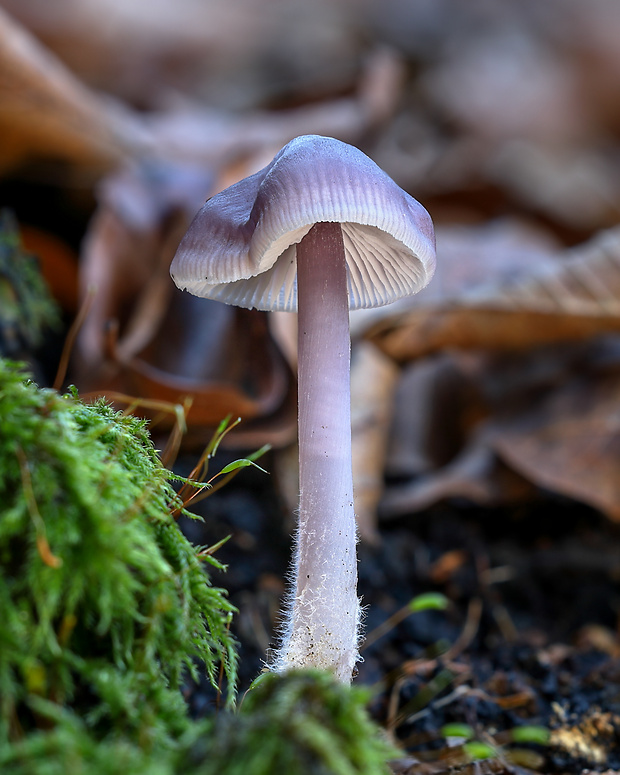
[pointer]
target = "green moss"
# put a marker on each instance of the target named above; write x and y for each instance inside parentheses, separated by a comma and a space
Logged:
(105, 605)
(301, 723)
(26, 306)
(71, 749)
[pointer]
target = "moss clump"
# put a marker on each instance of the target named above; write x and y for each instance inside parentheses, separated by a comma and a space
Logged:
(300, 723)
(71, 749)
(105, 605)
(26, 307)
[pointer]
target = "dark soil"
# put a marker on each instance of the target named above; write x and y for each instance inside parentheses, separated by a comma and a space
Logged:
(529, 637)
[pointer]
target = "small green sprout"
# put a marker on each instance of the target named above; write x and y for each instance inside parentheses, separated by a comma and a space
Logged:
(457, 730)
(530, 734)
(429, 601)
(477, 750)
(196, 486)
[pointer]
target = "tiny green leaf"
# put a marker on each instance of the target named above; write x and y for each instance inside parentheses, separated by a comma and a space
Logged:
(259, 452)
(207, 550)
(530, 734)
(222, 429)
(259, 680)
(477, 750)
(457, 730)
(242, 463)
(429, 601)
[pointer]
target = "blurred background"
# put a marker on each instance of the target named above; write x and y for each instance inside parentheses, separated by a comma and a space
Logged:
(486, 410)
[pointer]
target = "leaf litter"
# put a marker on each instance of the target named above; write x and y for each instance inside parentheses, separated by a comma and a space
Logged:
(492, 477)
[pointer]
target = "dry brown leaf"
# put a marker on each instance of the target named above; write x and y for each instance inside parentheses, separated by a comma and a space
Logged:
(145, 338)
(234, 55)
(547, 418)
(585, 282)
(570, 442)
(46, 112)
(571, 300)
(59, 265)
(436, 406)
(483, 328)
(472, 81)
(474, 476)
(574, 184)
(470, 257)
(439, 444)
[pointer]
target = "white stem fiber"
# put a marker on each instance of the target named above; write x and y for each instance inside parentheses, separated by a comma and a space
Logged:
(323, 612)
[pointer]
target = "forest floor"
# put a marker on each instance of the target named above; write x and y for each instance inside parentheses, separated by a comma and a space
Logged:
(527, 639)
(501, 378)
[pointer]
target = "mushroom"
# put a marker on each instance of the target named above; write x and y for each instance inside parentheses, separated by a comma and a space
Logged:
(321, 230)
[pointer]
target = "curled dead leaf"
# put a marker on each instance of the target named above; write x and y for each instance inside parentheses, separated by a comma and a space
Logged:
(45, 111)
(570, 442)
(570, 299)
(145, 338)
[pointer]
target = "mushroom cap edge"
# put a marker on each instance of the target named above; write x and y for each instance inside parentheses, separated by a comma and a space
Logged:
(240, 247)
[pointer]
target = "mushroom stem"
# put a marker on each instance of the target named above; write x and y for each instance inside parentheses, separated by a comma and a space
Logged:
(322, 630)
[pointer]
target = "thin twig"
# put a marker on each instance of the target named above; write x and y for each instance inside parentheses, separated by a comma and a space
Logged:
(69, 343)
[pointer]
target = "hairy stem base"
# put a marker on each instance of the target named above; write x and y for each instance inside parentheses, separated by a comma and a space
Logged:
(324, 611)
